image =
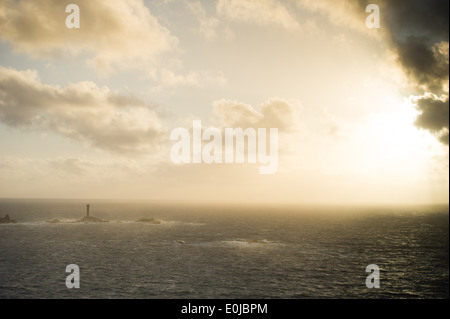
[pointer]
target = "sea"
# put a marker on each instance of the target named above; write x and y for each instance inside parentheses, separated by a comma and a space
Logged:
(222, 251)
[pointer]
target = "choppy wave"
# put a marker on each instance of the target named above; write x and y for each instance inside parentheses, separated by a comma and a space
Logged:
(66, 221)
(249, 242)
(231, 257)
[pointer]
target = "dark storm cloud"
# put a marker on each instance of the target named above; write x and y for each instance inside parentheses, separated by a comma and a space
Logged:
(422, 18)
(419, 32)
(435, 113)
(434, 116)
(424, 62)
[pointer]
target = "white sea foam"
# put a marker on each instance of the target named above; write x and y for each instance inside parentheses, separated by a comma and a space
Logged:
(250, 243)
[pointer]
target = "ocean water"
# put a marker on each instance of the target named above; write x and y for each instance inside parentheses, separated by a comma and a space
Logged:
(223, 251)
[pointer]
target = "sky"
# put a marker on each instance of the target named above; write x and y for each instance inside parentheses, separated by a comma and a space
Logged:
(362, 113)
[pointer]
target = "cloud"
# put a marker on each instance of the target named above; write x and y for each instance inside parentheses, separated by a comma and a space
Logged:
(416, 17)
(424, 62)
(236, 114)
(92, 168)
(169, 78)
(260, 12)
(77, 177)
(72, 166)
(274, 113)
(418, 33)
(333, 127)
(113, 33)
(81, 111)
(208, 24)
(343, 13)
(434, 115)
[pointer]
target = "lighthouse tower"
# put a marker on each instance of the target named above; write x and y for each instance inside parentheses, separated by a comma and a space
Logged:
(87, 210)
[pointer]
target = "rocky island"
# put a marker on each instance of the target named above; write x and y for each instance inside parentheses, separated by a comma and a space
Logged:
(7, 220)
(91, 219)
(149, 221)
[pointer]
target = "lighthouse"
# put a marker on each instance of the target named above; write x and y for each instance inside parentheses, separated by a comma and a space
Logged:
(90, 219)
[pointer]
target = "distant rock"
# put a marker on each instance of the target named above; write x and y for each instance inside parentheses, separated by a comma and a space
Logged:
(7, 220)
(149, 221)
(54, 221)
(257, 241)
(92, 219)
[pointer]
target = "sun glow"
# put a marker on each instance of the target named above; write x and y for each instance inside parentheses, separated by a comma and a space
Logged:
(396, 142)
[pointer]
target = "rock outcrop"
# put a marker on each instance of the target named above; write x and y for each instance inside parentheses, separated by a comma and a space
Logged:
(54, 221)
(149, 221)
(7, 220)
(92, 219)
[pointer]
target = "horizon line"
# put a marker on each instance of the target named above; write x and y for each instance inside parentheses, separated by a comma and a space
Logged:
(226, 202)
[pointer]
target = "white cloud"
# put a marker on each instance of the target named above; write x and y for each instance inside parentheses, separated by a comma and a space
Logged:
(236, 114)
(168, 78)
(208, 24)
(348, 14)
(260, 12)
(81, 111)
(113, 34)
(274, 113)
(343, 13)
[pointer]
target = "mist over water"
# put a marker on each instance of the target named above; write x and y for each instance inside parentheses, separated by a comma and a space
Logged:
(223, 251)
